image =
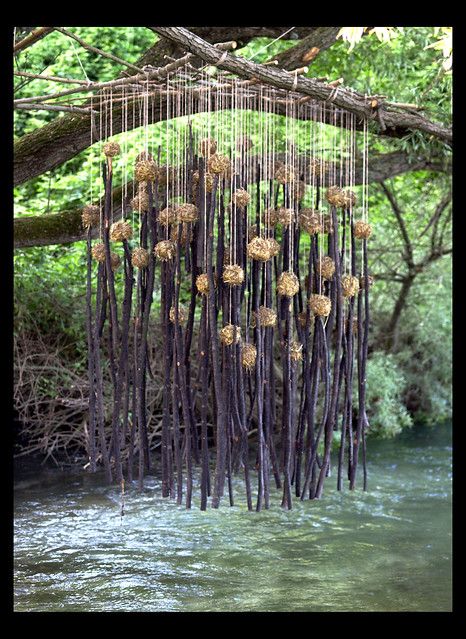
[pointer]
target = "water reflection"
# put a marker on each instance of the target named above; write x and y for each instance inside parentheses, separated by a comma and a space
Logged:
(385, 550)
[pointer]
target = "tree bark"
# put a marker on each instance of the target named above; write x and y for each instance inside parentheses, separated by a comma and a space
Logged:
(396, 123)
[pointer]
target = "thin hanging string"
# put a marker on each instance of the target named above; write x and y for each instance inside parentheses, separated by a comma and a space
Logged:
(79, 60)
(270, 44)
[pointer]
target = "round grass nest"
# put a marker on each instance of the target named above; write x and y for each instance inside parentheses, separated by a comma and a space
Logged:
(111, 149)
(208, 182)
(288, 284)
(98, 252)
(229, 334)
(259, 249)
(349, 285)
(274, 246)
(284, 216)
(182, 233)
(267, 317)
(90, 216)
(320, 305)
(145, 171)
(248, 356)
(165, 250)
(362, 230)
(182, 315)
(335, 196)
(309, 221)
(187, 212)
(120, 231)
(202, 283)
(140, 257)
(140, 202)
(219, 164)
(233, 275)
(296, 351)
(326, 267)
(168, 215)
(240, 198)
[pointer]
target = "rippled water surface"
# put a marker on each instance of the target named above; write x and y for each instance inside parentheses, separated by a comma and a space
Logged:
(385, 550)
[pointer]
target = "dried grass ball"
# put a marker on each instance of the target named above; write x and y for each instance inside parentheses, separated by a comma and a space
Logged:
(335, 196)
(349, 285)
(320, 305)
(145, 171)
(244, 142)
(267, 317)
(284, 175)
(187, 212)
(233, 275)
(349, 198)
(219, 163)
(208, 182)
(140, 258)
(362, 281)
(248, 356)
(296, 351)
(111, 149)
(165, 250)
(181, 314)
(287, 284)
(310, 222)
(285, 216)
(120, 231)
(326, 267)
(229, 334)
(207, 147)
(362, 230)
(241, 198)
(274, 246)
(115, 261)
(98, 252)
(259, 249)
(182, 233)
(90, 216)
(140, 202)
(202, 283)
(167, 216)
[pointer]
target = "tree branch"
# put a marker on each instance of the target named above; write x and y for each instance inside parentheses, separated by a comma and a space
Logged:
(308, 48)
(395, 124)
(401, 224)
(32, 38)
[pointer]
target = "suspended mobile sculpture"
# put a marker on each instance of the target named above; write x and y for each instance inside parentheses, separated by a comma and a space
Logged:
(243, 235)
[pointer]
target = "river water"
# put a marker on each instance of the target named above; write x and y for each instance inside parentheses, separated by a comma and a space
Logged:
(388, 549)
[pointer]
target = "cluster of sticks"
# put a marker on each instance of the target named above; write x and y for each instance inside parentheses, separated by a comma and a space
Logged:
(237, 253)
